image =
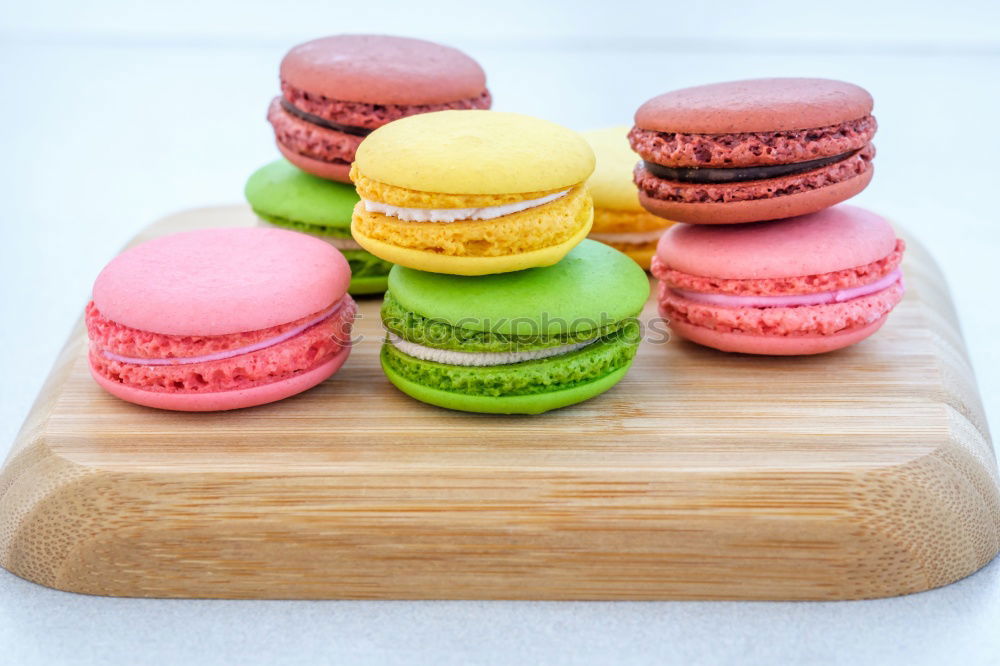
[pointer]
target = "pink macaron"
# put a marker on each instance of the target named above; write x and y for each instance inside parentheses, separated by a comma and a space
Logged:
(220, 319)
(335, 90)
(804, 285)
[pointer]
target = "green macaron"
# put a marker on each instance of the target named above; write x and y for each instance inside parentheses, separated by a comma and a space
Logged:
(283, 195)
(523, 342)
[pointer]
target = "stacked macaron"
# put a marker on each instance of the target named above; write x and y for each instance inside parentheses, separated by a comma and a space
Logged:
(762, 161)
(746, 151)
(334, 92)
(497, 303)
(523, 342)
(472, 192)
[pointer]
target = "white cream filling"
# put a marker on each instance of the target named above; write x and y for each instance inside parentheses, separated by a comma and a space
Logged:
(628, 236)
(457, 214)
(339, 243)
(450, 357)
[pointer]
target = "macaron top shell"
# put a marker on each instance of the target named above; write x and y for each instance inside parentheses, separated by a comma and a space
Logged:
(221, 281)
(611, 184)
(592, 286)
(280, 190)
(381, 69)
(475, 152)
(831, 240)
(755, 105)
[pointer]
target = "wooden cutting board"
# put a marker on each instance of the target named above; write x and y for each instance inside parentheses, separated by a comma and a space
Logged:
(862, 473)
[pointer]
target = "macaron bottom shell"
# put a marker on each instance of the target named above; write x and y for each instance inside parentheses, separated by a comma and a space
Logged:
(509, 404)
(338, 171)
(756, 210)
(226, 400)
(368, 286)
(529, 387)
(773, 345)
(433, 262)
(369, 274)
(329, 234)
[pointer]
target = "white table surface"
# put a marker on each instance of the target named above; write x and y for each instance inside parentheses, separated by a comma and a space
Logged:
(103, 134)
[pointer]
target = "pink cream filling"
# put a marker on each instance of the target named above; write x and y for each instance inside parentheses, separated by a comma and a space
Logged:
(229, 353)
(822, 298)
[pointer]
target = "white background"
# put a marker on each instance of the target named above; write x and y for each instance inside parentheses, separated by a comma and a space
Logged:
(116, 113)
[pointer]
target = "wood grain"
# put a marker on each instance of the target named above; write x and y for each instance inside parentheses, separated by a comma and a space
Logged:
(862, 473)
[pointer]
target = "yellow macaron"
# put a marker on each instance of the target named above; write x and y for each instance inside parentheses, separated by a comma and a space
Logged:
(619, 220)
(472, 192)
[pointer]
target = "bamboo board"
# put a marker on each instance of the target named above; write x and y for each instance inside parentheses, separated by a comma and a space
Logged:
(863, 473)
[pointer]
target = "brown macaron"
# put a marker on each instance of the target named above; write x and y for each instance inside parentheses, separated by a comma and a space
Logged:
(336, 90)
(745, 151)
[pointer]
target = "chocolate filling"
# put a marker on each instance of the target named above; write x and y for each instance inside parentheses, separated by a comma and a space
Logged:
(739, 174)
(323, 122)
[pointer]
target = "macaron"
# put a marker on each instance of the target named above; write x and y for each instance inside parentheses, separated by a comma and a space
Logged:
(619, 219)
(336, 90)
(514, 343)
(805, 285)
(219, 319)
(284, 196)
(472, 192)
(746, 151)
